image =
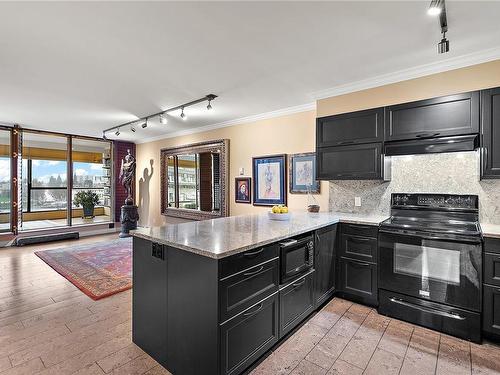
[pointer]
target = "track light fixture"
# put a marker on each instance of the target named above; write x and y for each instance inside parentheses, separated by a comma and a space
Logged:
(438, 8)
(163, 119)
(161, 115)
(444, 45)
(435, 8)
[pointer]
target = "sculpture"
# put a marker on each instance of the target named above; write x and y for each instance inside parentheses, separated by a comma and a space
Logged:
(129, 214)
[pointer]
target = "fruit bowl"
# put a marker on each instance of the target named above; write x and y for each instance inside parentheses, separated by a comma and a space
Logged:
(279, 217)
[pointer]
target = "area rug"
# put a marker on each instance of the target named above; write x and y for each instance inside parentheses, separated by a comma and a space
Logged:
(98, 269)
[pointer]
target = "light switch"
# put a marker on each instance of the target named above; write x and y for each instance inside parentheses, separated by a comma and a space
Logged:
(357, 201)
(242, 171)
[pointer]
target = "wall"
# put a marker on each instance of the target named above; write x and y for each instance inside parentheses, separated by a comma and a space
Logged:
(289, 134)
(119, 152)
(452, 173)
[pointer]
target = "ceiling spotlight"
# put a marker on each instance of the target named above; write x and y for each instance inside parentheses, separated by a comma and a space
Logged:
(209, 106)
(117, 133)
(183, 115)
(444, 45)
(132, 128)
(435, 8)
(144, 125)
(163, 119)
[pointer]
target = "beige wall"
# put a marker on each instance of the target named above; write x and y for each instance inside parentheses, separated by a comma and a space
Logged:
(475, 77)
(289, 134)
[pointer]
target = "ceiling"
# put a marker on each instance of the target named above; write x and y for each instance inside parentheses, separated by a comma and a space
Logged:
(81, 67)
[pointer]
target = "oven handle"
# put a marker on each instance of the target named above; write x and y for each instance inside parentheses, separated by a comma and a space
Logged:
(445, 314)
(424, 237)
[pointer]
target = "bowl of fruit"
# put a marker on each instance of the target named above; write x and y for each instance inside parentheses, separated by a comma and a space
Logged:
(279, 213)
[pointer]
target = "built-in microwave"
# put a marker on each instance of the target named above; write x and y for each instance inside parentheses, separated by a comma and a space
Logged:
(296, 257)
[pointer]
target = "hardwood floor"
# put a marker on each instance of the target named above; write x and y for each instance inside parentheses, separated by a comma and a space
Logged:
(47, 326)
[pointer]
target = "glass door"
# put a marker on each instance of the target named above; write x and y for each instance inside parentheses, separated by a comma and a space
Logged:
(5, 181)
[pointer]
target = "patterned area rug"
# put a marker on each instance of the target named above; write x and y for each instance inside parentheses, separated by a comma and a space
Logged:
(99, 269)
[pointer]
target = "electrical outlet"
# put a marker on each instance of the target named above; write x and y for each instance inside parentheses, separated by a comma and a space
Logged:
(242, 171)
(357, 201)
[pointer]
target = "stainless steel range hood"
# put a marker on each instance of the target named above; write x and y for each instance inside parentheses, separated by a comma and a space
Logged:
(432, 145)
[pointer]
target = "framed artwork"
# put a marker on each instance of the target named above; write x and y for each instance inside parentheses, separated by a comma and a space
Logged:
(303, 174)
(269, 180)
(242, 190)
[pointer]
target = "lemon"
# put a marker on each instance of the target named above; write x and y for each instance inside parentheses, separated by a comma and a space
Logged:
(276, 210)
(284, 210)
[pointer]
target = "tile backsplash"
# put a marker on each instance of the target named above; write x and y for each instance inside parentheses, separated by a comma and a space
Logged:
(451, 173)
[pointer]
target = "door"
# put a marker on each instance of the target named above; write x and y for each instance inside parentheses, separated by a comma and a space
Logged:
(438, 117)
(427, 267)
(491, 310)
(356, 162)
(350, 128)
(358, 281)
(490, 133)
(324, 277)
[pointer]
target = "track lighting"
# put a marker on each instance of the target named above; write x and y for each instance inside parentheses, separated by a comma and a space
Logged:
(132, 128)
(163, 119)
(117, 133)
(209, 106)
(444, 45)
(144, 125)
(435, 8)
(183, 115)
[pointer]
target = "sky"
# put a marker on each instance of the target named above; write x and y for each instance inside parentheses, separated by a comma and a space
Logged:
(43, 170)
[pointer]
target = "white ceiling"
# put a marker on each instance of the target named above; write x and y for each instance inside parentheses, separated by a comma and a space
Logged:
(82, 67)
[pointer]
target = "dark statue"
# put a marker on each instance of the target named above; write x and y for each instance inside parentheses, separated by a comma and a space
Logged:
(129, 214)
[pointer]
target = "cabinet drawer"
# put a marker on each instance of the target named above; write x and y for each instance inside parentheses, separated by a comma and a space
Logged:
(491, 310)
(349, 128)
(357, 162)
(360, 230)
(358, 280)
(242, 261)
(356, 247)
(249, 335)
(443, 116)
(296, 302)
(492, 245)
(492, 269)
(241, 290)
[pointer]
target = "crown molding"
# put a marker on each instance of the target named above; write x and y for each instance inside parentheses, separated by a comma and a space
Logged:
(235, 122)
(411, 73)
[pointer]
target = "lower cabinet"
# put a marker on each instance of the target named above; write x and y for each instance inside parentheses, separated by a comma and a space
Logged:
(248, 335)
(324, 277)
(491, 310)
(358, 281)
(296, 303)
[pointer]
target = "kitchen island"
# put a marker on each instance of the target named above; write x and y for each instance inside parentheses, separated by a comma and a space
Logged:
(211, 297)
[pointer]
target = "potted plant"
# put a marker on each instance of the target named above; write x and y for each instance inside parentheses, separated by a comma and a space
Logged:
(88, 200)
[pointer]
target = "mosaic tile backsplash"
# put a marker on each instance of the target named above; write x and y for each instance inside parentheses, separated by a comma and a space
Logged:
(452, 173)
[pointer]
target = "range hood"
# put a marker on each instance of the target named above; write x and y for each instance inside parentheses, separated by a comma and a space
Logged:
(432, 145)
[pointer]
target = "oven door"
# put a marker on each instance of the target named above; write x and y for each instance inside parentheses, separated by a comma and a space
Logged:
(296, 258)
(432, 268)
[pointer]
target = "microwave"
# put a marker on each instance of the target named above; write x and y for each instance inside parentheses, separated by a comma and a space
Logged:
(296, 257)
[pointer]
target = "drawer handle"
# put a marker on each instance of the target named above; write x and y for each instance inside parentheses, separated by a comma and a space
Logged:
(254, 253)
(359, 239)
(346, 142)
(254, 272)
(357, 226)
(254, 312)
(299, 284)
(402, 302)
(361, 264)
(422, 135)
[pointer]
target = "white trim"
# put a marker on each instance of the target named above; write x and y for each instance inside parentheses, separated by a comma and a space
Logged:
(239, 121)
(411, 73)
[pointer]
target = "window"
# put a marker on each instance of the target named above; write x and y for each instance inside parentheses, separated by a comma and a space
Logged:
(5, 180)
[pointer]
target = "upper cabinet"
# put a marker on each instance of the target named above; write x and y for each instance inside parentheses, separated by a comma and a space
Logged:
(490, 133)
(350, 128)
(444, 116)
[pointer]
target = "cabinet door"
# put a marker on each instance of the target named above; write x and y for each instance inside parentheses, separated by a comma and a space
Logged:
(149, 299)
(358, 281)
(492, 269)
(491, 310)
(490, 137)
(349, 128)
(249, 335)
(357, 247)
(296, 303)
(448, 115)
(357, 162)
(324, 263)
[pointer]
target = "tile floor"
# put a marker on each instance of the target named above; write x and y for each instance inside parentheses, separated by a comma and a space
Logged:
(47, 326)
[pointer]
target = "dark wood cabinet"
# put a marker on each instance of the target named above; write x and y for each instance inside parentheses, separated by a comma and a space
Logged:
(490, 133)
(358, 247)
(248, 335)
(443, 116)
(355, 162)
(358, 281)
(350, 128)
(491, 310)
(324, 277)
(296, 303)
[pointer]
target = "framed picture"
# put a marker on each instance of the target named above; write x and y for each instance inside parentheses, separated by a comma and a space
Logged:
(242, 190)
(303, 174)
(269, 180)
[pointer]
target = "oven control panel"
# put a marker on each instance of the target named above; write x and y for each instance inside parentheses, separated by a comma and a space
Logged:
(435, 200)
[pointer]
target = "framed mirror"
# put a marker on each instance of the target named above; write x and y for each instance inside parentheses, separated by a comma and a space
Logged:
(194, 180)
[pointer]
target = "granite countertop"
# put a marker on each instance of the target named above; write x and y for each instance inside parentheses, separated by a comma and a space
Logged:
(491, 230)
(219, 238)
(358, 218)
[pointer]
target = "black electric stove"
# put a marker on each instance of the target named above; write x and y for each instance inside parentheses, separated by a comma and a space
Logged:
(430, 261)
